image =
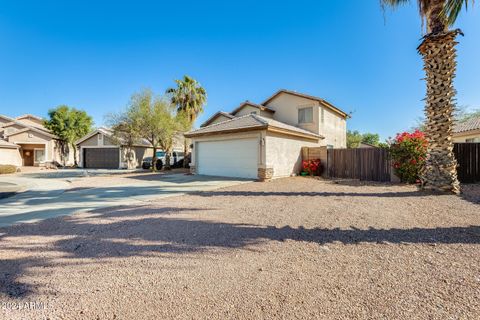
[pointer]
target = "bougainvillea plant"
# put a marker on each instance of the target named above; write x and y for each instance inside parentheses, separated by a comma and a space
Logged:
(408, 152)
(312, 167)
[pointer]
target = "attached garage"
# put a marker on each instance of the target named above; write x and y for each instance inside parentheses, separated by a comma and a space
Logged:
(230, 158)
(101, 158)
(250, 146)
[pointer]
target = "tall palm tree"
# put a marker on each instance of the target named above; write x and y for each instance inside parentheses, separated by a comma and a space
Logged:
(439, 53)
(189, 97)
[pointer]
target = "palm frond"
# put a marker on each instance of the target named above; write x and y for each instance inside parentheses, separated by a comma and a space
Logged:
(452, 9)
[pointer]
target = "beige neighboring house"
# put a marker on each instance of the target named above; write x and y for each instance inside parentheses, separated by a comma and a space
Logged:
(467, 131)
(98, 150)
(264, 141)
(24, 141)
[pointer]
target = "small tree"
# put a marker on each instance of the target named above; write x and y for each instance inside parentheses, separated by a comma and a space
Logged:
(408, 152)
(69, 125)
(126, 133)
(152, 118)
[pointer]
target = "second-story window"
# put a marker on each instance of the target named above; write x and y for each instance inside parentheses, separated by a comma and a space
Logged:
(305, 115)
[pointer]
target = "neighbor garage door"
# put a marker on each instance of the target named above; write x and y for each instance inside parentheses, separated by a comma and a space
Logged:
(101, 158)
(228, 158)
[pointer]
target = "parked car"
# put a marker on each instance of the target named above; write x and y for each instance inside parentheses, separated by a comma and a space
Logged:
(175, 159)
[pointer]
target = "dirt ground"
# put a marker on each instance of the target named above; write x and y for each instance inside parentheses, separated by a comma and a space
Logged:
(294, 248)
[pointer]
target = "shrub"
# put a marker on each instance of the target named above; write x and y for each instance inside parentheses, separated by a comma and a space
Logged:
(4, 169)
(408, 152)
(312, 167)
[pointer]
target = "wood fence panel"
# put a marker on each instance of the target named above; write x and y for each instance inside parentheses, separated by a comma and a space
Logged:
(367, 164)
(468, 159)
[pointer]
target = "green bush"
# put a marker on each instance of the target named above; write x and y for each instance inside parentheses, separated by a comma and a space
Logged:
(4, 169)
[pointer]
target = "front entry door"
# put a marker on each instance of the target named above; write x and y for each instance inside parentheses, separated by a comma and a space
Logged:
(28, 157)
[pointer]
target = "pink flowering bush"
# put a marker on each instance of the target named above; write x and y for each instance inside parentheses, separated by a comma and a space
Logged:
(312, 167)
(408, 152)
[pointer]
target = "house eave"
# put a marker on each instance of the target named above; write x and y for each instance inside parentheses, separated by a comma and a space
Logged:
(256, 128)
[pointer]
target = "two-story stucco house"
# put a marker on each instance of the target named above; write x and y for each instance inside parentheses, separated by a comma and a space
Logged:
(264, 140)
(24, 141)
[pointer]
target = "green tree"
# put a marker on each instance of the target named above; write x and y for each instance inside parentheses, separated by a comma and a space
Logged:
(152, 118)
(69, 125)
(189, 97)
(126, 133)
(354, 138)
(439, 55)
(371, 138)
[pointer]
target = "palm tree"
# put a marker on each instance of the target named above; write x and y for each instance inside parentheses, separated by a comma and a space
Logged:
(439, 53)
(189, 97)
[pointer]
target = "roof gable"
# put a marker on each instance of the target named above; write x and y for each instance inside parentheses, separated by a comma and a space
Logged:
(46, 134)
(251, 104)
(305, 96)
(215, 116)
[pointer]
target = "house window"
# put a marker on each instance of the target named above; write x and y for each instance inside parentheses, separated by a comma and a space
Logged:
(39, 155)
(305, 115)
(253, 112)
(323, 115)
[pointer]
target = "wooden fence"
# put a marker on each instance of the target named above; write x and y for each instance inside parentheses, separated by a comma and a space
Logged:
(468, 159)
(373, 164)
(367, 164)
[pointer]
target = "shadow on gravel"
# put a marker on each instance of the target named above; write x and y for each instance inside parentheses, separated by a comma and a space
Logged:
(141, 231)
(312, 194)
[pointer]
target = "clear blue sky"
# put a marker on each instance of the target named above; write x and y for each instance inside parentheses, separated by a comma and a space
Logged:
(94, 54)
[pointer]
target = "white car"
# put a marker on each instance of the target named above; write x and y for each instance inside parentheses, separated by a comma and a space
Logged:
(175, 160)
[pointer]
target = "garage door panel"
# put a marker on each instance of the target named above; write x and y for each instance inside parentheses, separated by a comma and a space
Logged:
(101, 158)
(230, 158)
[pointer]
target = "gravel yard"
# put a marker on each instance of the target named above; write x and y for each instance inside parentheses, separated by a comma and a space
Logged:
(290, 248)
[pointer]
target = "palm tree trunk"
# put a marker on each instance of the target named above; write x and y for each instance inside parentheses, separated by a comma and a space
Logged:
(439, 55)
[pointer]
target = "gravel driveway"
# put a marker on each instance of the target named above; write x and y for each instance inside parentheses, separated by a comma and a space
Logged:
(292, 248)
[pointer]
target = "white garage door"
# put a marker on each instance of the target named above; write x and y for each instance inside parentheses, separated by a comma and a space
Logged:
(228, 158)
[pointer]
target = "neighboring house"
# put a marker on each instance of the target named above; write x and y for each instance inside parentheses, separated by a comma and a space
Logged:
(24, 141)
(99, 150)
(467, 131)
(264, 140)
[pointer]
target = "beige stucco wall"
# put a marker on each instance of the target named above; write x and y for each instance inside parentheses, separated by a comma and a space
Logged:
(10, 156)
(284, 153)
(467, 135)
(249, 109)
(286, 110)
(137, 154)
(29, 138)
(333, 128)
